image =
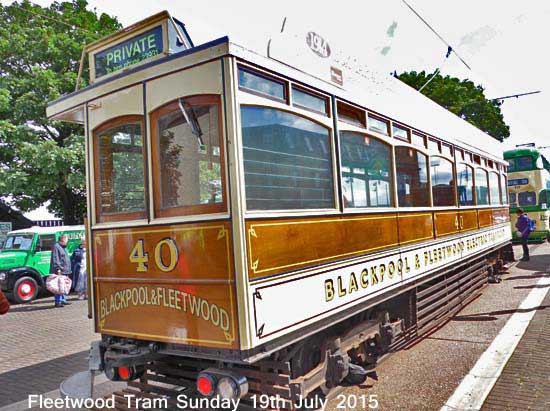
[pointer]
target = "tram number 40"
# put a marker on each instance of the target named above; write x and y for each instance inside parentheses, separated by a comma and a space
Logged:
(141, 258)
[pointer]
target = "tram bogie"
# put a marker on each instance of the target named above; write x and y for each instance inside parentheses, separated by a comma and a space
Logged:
(255, 229)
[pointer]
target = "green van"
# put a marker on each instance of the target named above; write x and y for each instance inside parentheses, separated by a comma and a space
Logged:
(25, 259)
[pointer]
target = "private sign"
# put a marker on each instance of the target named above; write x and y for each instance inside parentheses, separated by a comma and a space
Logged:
(129, 52)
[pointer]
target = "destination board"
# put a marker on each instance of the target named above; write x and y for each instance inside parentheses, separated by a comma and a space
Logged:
(129, 52)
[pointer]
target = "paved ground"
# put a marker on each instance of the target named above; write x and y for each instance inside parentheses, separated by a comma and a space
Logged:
(525, 381)
(41, 346)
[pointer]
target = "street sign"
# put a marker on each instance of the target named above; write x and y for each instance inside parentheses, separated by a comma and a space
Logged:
(5, 228)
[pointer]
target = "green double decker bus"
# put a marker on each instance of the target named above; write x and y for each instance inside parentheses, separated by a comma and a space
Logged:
(529, 188)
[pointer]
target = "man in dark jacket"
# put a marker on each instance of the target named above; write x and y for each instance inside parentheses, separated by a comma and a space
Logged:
(61, 265)
(523, 230)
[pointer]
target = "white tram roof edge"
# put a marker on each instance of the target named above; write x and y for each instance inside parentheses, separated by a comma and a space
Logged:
(382, 94)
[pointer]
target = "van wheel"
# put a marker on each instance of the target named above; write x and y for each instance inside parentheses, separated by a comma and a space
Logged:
(25, 290)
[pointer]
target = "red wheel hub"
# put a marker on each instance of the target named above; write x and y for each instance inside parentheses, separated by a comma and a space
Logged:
(26, 290)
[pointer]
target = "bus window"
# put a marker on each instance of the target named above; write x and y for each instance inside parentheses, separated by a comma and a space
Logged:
(520, 163)
(543, 199)
(287, 161)
(465, 185)
(513, 199)
(504, 189)
(443, 182)
(366, 165)
(482, 190)
(494, 190)
(527, 198)
(188, 157)
(120, 179)
(412, 178)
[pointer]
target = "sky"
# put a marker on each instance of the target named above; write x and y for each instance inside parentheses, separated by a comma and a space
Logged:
(503, 41)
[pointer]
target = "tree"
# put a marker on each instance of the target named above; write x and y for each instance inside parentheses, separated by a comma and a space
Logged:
(463, 98)
(40, 49)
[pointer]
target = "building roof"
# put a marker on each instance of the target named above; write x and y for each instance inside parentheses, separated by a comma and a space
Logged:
(49, 230)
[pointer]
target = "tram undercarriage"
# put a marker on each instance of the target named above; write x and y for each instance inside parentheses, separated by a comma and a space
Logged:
(317, 367)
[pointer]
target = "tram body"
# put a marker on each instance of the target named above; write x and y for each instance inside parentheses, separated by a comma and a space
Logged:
(239, 207)
(529, 188)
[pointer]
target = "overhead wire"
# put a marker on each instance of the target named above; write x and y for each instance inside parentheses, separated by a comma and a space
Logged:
(450, 48)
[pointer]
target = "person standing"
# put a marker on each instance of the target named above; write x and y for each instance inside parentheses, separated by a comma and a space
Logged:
(524, 229)
(76, 263)
(81, 275)
(61, 265)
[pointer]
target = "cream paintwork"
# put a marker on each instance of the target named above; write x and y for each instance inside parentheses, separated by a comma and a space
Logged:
(126, 102)
(536, 184)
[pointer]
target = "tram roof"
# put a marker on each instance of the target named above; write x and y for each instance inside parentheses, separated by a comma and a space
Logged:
(382, 94)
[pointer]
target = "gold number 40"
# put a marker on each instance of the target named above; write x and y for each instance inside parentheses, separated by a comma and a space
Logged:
(141, 258)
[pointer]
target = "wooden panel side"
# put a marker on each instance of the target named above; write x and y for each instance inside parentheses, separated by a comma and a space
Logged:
(446, 223)
(468, 220)
(288, 244)
(167, 283)
(485, 217)
(414, 227)
(501, 215)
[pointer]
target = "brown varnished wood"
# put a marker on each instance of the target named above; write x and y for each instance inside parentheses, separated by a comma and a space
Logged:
(501, 215)
(282, 245)
(468, 220)
(414, 227)
(485, 217)
(446, 223)
(202, 277)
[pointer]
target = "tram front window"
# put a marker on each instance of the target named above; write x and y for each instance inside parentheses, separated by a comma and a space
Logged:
(482, 187)
(513, 200)
(120, 187)
(443, 182)
(287, 161)
(187, 155)
(465, 185)
(412, 178)
(366, 171)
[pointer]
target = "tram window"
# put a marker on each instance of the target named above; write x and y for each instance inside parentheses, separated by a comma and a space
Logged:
(443, 182)
(527, 198)
(188, 157)
(366, 165)
(351, 115)
(447, 150)
(378, 124)
(433, 146)
(513, 199)
(494, 189)
(418, 140)
(400, 133)
(262, 84)
(465, 181)
(120, 187)
(482, 187)
(412, 178)
(308, 100)
(504, 189)
(287, 161)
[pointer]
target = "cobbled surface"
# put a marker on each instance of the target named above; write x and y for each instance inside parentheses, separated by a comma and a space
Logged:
(40, 346)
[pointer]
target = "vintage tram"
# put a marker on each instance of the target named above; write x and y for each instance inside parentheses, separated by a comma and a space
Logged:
(529, 189)
(272, 224)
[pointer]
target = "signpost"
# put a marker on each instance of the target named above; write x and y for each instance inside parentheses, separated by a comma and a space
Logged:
(5, 228)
